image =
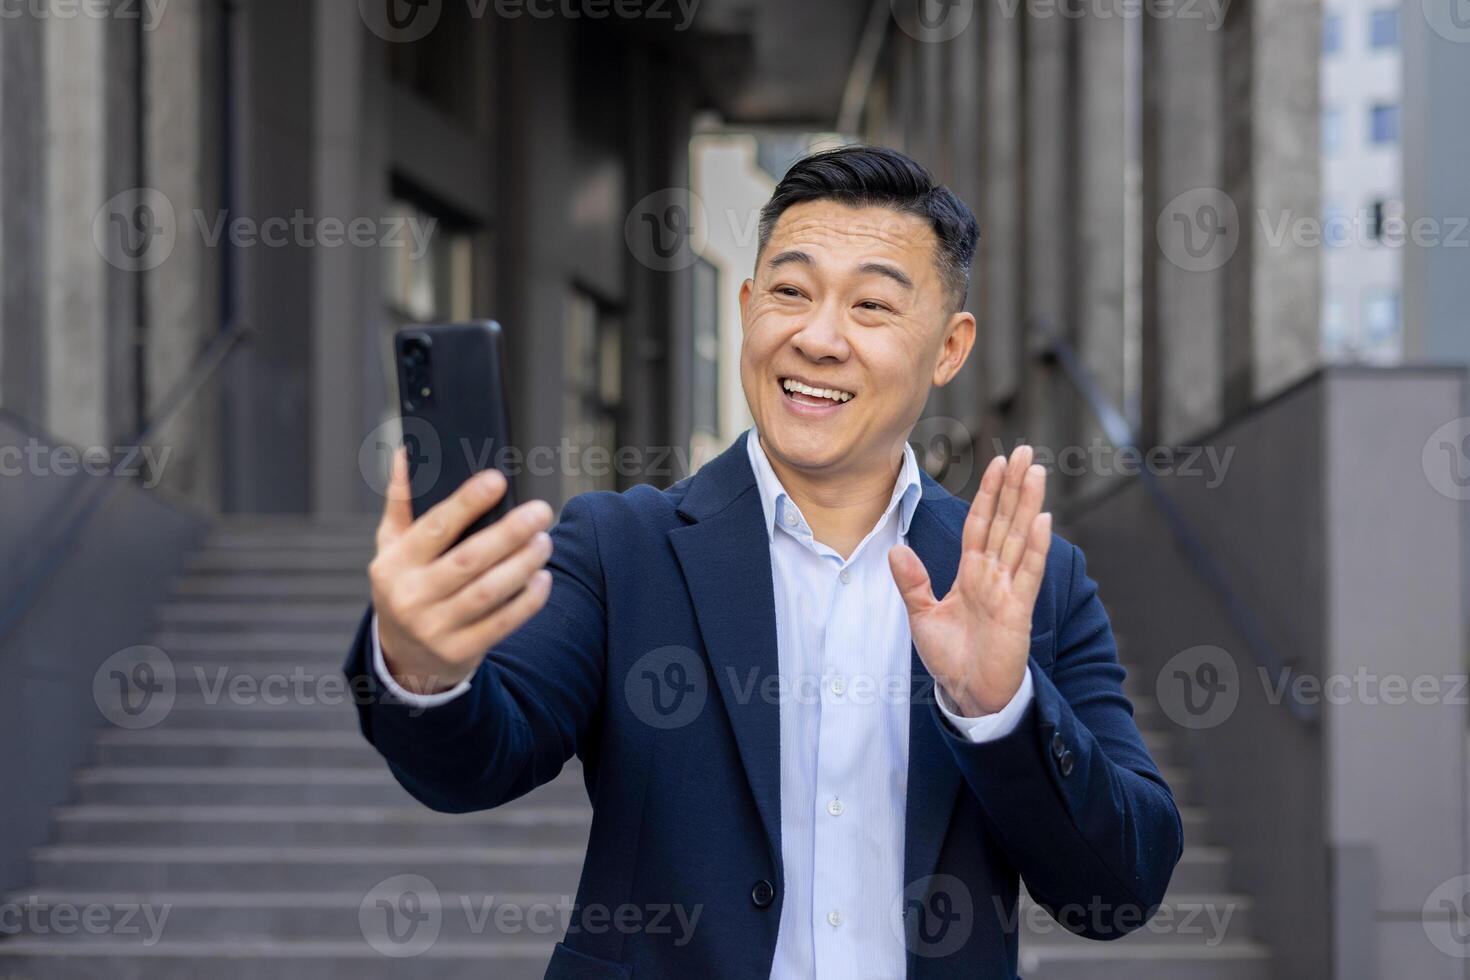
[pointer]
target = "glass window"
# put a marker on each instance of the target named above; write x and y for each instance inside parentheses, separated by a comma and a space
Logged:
(1380, 317)
(1383, 124)
(1331, 131)
(592, 380)
(1334, 327)
(1331, 33)
(1383, 29)
(705, 374)
(427, 266)
(1336, 231)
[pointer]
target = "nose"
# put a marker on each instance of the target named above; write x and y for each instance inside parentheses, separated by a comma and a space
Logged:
(823, 336)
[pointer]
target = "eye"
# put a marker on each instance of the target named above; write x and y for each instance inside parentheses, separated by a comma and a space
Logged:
(874, 305)
(789, 291)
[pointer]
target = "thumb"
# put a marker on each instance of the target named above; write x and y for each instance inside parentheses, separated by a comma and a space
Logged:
(912, 580)
(397, 502)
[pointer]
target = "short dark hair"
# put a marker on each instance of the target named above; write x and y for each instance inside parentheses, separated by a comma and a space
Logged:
(865, 176)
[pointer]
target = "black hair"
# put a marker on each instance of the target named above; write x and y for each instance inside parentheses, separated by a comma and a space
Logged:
(864, 176)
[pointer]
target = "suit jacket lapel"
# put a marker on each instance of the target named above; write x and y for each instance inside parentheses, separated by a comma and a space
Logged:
(726, 560)
(934, 778)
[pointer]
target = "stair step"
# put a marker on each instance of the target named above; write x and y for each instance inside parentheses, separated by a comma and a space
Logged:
(164, 746)
(275, 786)
(352, 869)
(1083, 960)
(331, 712)
(210, 615)
(56, 959)
(1201, 922)
(291, 561)
(295, 588)
(256, 645)
(523, 823)
(353, 539)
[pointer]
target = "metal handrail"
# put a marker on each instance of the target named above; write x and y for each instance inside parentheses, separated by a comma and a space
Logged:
(1118, 431)
(91, 494)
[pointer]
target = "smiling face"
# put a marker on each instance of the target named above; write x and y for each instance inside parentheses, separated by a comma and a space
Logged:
(847, 324)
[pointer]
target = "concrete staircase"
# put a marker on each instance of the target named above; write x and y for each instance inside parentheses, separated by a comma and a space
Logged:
(1204, 931)
(252, 833)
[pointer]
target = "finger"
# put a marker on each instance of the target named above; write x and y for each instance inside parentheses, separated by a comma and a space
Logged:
(485, 548)
(431, 535)
(1010, 495)
(1027, 582)
(494, 587)
(982, 510)
(1033, 491)
(510, 616)
(397, 502)
(912, 579)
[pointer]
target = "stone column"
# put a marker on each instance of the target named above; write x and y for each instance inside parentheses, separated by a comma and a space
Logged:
(1272, 177)
(1183, 280)
(75, 272)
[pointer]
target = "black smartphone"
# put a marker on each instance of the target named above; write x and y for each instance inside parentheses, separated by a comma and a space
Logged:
(454, 409)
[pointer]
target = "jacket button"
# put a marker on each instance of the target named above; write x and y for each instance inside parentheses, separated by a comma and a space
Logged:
(763, 893)
(1065, 763)
(1058, 745)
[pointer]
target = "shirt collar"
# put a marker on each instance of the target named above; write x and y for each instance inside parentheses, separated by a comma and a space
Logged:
(775, 501)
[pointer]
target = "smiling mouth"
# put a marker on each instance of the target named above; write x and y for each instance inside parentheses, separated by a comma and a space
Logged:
(805, 394)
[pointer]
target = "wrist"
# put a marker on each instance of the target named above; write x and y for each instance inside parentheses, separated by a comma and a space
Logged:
(414, 678)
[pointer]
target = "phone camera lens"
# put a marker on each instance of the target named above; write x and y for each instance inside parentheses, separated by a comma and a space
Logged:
(414, 354)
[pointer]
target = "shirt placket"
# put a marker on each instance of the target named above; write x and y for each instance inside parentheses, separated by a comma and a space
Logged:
(837, 837)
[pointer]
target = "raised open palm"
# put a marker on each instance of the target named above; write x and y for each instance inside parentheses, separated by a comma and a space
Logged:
(975, 640)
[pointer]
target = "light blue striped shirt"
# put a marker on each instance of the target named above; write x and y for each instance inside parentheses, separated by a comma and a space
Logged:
(843, 650)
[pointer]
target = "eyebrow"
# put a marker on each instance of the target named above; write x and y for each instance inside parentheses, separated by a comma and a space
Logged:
(874, 268)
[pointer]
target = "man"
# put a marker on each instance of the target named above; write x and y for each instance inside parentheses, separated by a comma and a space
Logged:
(819, 701)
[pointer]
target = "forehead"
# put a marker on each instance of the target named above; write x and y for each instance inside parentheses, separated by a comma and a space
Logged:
(839, 230)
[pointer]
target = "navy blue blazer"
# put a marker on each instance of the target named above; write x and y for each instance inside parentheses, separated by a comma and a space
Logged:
(654, 661)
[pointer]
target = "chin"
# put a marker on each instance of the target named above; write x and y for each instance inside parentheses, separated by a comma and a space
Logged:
(804, 446)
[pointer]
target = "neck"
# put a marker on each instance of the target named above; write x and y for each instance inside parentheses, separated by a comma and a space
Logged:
(841, 506)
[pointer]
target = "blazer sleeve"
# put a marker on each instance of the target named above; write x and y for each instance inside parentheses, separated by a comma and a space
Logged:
(531, 705)
(1072, 793)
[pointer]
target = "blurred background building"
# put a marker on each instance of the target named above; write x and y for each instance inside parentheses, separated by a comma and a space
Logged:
(1222, 284)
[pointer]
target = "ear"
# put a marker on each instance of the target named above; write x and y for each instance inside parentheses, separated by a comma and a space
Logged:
(746, 288)
(959, 337)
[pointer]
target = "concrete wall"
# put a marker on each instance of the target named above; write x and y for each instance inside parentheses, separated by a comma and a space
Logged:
(99, 601)
(1330, 530)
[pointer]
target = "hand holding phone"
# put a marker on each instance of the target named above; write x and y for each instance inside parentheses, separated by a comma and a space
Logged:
(442, 605)
(459, 567)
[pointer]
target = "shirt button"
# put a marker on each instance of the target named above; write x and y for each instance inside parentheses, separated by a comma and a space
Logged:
(839, 685)
(845, 576)
(835, 808)
(790, 519)
(834, 918)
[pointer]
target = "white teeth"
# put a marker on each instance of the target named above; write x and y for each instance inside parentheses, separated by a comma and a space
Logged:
(835, 394)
